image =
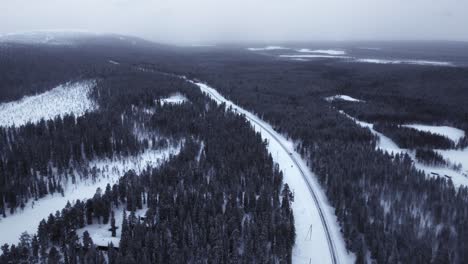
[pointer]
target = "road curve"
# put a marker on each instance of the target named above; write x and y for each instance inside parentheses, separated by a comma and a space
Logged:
(294, 159)
(334, 259)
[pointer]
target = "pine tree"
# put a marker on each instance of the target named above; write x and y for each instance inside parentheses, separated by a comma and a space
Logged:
(113, 227)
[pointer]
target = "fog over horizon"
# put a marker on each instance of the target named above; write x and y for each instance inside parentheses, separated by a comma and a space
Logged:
(217, 21)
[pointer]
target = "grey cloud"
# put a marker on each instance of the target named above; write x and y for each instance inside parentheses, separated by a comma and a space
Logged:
(198, 21)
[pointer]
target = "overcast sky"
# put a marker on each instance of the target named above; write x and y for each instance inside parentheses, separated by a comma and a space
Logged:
(207, 21)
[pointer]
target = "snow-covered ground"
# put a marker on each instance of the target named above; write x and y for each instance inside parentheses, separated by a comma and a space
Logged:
(452, 133)
(70, 98)
(453, 156)
(342, 97)
(328, 51)
(268, 48)
(312, 244)
(113, 62)
(312, 56)
(176, 98)
(109, 172)
(100, 233)
(48, 37)
(413, 62)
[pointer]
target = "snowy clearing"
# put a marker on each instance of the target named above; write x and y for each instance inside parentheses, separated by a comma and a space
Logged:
(342, 97)
(100, 233)
(176, 98)
(312, 56)
(412, 62)
(109, 172)
(456, 156)
(452, 133)
(453, 156)
(318, 234)
(268, 48)
(328, 51)
(70, 98)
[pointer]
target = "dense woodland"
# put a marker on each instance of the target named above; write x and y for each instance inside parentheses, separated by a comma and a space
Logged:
(223, 205)
(387, 209)
(221, 200)
(411, 138)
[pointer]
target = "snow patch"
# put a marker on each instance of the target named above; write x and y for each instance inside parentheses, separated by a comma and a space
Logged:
(311, 56)
(412, 62)
(268, 48)
(100, 233)
(342, 97)
(370, 48)
(452, 133)
(114, 62)
(176, 98)
(109, 172)
(49, 37)
(328, 51)
(70, 98)
(454, 156)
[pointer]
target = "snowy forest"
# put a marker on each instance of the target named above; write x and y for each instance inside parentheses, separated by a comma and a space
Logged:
(183, 179)
(387, 208)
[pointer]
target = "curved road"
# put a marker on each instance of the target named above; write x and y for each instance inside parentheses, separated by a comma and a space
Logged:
(294, 159)
(292, 156)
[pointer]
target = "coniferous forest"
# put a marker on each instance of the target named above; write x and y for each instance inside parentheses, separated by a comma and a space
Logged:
(387, 209)
(221, 198)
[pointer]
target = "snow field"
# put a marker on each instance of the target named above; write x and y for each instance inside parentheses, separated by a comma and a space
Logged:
(100, 233)
(341, 54)
(109, 172)
(454, 156)
(311, 243)
(69, 98)
(328, 51)
(412, 62)
(342, 97)
(452, 133)
(268, 48)
(312, 56)
(176, 98)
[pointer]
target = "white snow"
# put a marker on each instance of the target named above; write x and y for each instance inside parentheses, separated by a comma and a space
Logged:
(70, 98)
(343, 97)
(413, 62)
(113, 62)
(336, 54)
(453, 156)
(328, 51)
(176, 98)
(309, 247)
(370, 48)
(452, 133)
(311, 56)
(100, 233)
(109, 172)
(268, 48)
(49, 37)
(456, 156)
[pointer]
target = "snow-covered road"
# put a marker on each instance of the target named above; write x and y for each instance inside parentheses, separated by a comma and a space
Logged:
(318, 237)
